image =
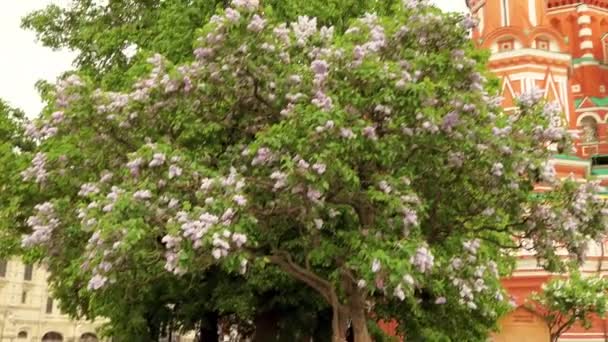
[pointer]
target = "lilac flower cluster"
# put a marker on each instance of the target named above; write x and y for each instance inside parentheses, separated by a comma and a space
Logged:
(246, 5)
(256, 24)
(172, 244)
(473, 284)
(37, 171)
(88, 189)
(377, 38)
(531, 97)
(64, 95)
(303, 29)
(112, 198)
(42, 224)
(101, 271)
(263, 156)
(202, 226)
(423, 260)
(48, 127)
(320, 69)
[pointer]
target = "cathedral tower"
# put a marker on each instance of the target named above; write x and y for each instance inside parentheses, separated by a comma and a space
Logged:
(558, 46)
(527, 52)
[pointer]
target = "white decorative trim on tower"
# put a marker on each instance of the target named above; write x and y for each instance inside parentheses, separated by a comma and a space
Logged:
(532, 12)
(584, 32)
(530, 52)
(583, 19)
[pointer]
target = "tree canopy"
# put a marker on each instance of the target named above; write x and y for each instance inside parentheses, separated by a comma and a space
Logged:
(371, 165)
(106, 34)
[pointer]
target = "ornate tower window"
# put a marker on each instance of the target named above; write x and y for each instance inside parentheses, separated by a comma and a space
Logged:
(589, 128)
(506, 45)
(542, 44)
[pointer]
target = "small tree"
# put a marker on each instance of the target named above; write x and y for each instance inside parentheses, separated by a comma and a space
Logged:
(564, 302)
(371, 166)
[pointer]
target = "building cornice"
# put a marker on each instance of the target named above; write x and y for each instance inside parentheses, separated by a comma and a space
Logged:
(531, 52)
(529, 56)
(558, 4)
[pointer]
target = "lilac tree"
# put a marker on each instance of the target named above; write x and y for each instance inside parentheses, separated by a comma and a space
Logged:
(372, 166)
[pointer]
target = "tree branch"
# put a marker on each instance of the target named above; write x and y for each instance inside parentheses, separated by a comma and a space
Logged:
(285, 262)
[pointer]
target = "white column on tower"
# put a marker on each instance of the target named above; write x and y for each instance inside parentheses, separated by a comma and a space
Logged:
(585, 32)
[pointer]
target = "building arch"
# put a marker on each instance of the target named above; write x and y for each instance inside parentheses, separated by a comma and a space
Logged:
(504, 33)
(506, 43)
(52, 336)
(588, 125)
(88, 337)
(594, 115)
(22, 335)
(552, 35)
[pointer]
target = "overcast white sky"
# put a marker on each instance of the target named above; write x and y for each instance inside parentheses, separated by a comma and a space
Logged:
(23, 61)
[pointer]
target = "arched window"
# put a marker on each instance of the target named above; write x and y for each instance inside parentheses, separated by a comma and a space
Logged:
(52, 337)
(89, 337)
(589, 127)
(22, 334)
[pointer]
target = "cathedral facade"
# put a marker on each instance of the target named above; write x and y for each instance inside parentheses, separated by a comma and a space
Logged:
(558, 47)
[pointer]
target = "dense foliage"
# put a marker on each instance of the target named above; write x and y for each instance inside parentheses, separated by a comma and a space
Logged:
(574, 300)
(371, 166)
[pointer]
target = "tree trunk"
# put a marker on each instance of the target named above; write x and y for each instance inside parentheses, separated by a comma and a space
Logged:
(356, 309)
(341, 313)
(359, 321)
(209, 328)
(266, 327)
(339, 320)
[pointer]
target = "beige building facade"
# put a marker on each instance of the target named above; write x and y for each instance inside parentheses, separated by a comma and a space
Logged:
(28, 312)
